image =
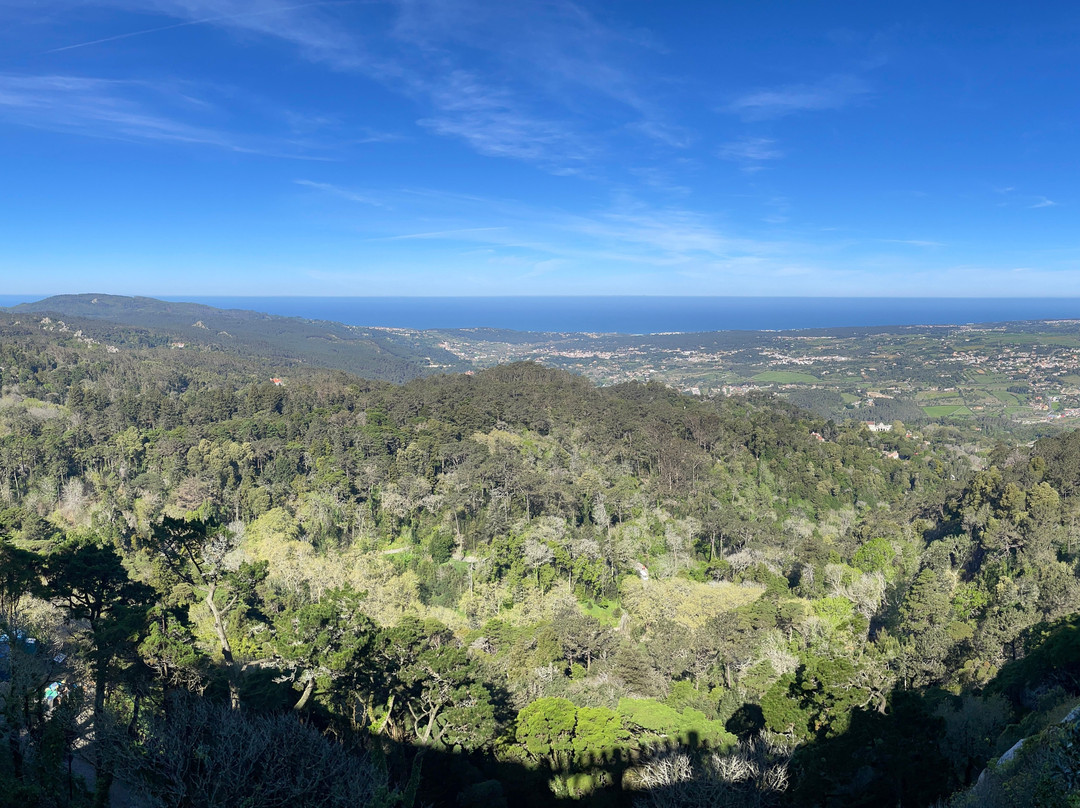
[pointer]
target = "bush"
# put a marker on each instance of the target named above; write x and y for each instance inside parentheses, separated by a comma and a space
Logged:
(199, 755)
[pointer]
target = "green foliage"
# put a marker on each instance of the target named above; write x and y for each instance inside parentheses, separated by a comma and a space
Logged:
(169, 648)
(784, 713)
(657, 723)
(324, 642)
(683, 694)
(545, 729)
(876, 555)
(598, 732)
(817, 701)
(370, 352)
(503, 500)
(441, 547)
(20, 571)
(881, 759)
(1043, 772)
(92, 585)
(1053, 655)
(835, 612)
(428, 685)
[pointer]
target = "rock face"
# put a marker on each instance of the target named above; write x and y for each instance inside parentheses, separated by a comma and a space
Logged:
(1070, 720)
(1012, 752)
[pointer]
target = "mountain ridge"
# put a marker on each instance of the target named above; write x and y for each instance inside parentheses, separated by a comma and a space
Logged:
(395, 355)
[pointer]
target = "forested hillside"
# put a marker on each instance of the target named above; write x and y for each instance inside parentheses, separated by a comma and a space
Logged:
(378, 353)
(507, 588)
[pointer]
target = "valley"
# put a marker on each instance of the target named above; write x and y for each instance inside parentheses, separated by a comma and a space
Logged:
(513, 584)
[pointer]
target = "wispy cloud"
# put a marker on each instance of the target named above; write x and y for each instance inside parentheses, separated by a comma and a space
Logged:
(625, 233)
(128, 110)
(343, 193)
(536, 82)
(751, 152)
(270, 9)
(551, 47)
(660, 179)
(491, 121)
(442, 234)
(501, 246)
(833, 92)
(667, 235)
(913, 242)
(1012, 199)
(98, 107)
(311, 27)
(539, 83)
(675, 136)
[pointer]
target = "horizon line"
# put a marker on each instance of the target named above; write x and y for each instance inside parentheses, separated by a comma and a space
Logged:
(173, 297)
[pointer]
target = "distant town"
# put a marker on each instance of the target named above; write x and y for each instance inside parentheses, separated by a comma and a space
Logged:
(1024, 373)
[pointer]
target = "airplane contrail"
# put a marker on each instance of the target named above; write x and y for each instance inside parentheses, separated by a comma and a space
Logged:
(203, 21)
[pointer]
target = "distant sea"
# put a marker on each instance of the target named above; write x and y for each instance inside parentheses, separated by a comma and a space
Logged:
(642, 315)
(650, 315)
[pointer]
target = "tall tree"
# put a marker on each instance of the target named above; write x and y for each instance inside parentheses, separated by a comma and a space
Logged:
(431, 689)
(326, 641)
(90, 583)
(19, 572)
(195, 550)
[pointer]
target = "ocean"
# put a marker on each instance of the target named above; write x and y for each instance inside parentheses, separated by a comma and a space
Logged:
(650, 315)
(642, 315)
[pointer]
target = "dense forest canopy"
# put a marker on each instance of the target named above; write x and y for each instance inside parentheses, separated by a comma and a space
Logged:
(1016, 380)
(509, 587)
(378, 353)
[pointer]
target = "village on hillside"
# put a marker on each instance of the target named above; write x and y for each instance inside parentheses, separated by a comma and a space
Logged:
(1027, 373)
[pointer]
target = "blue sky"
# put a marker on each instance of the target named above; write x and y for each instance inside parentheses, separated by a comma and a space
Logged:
(457, 147)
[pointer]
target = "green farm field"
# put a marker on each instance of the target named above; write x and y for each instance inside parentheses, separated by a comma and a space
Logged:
(785, 377)
(943, 410)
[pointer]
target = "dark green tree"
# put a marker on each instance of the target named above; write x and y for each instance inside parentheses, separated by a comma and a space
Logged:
(323, 642)
(430, 689)
(20, 572)
(194, 551)
(91, 584)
